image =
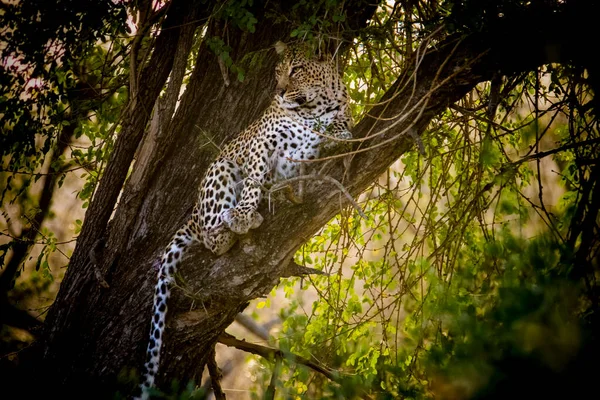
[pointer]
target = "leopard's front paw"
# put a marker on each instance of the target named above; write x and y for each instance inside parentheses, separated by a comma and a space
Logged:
(344, 134)
(331, 145)
(219, 240)
(241, 222)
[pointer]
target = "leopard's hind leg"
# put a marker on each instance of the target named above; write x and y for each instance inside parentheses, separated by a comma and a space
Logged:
(220, 192)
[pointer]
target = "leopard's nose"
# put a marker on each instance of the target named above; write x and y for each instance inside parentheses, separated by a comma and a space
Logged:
(280, 91)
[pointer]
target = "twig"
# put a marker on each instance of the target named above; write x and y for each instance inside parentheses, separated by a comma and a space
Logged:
(18, 239)
(208, 138)
(223, 68)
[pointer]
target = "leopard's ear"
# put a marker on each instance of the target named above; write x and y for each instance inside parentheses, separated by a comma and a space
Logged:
(280, 47)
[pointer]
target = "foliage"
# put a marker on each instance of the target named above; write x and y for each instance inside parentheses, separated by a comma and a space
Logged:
(61, 89)
(44, 50)
(432, 297)
(463, 272)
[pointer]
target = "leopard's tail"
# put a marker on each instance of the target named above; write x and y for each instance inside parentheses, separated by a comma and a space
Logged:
(166, 275)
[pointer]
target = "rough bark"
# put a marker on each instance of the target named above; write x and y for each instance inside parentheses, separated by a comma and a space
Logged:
(95, 334)
(68, 317)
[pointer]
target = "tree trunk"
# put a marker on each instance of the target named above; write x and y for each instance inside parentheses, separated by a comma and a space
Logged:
(93, 333)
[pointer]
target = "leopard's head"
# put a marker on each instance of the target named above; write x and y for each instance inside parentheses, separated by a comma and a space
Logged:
(306, 82)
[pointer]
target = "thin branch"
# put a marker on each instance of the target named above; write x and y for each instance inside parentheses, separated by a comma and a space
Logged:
(31, 242)
(271, 354)
(543, 154)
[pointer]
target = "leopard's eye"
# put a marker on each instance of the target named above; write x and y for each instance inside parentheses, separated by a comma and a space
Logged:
(295, 70)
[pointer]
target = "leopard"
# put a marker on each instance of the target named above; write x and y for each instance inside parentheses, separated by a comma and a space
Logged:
(309, 111)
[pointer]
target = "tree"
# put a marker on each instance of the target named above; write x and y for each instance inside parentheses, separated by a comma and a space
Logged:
(97, 327)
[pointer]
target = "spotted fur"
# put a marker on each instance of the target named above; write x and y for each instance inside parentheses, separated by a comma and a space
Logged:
(311, 99)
